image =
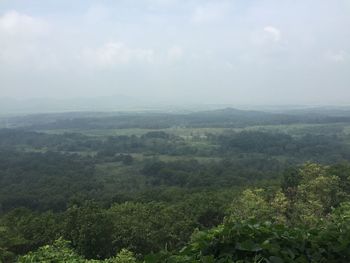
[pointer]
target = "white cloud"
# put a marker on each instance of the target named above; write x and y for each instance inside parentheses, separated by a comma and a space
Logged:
(210, 12)
(175, 53)
(116, 53)
(337, 57)
(180, 42)
(22, 41)
(269, 38)
(272, 33)
(13, 23)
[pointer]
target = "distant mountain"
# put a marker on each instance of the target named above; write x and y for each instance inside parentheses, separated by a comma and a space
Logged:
(44, 105)
(227, 117)
(333, 111)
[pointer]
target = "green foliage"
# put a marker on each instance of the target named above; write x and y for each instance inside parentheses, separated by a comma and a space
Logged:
(315, 147)
(43, 181)
(149, 227)
(252, 241)
(150, 193)
(56, 253)
(241, 241)
(316, 232)
(309, 196)
(90, 229)
(60, 251)
(253, 204)
(224, 173)
(317, 192)
(124, 256)
(342, 171)
(22, 230)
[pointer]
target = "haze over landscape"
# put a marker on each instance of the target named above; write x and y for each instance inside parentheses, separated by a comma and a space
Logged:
(177, 52)
(174, 131)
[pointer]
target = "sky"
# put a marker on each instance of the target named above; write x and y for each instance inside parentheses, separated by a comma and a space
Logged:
(188, 51)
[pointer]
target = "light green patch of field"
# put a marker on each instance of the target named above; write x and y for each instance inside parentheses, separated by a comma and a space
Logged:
(100, 133)
(201, 133)
(82, 153)
(302, 129)
(182, 132)
(25, 148)
(28, 149)
(139, 157)
(190, 133)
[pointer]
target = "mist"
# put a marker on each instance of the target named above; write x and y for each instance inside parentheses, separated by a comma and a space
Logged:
(174, 131)
(176, 52)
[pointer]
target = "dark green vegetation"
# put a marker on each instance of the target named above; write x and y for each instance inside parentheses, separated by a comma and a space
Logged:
(221, 186)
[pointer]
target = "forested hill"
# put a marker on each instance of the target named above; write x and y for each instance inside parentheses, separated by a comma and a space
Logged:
(228, 117)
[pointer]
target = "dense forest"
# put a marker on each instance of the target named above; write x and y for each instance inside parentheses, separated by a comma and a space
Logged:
(215, 186)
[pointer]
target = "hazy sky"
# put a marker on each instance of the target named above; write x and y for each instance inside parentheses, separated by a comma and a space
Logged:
(201, 51)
